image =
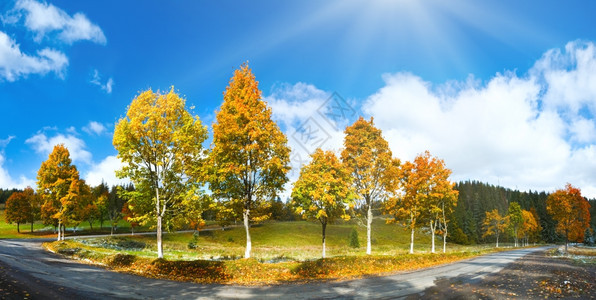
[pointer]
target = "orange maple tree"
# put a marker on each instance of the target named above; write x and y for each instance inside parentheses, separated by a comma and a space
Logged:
(571, 211)
(425, 192)
(57, 185)
(249, 157)
(20, 208)
(368, 159)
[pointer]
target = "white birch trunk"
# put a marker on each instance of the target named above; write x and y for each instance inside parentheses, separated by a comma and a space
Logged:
(432, 230)
(412, 241)
(247, 227)
(324, 227)
(59, 230)
(369, 218)
(159, 232)
(445, 241)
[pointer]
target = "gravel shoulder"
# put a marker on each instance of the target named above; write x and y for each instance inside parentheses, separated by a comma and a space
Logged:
(538, 275)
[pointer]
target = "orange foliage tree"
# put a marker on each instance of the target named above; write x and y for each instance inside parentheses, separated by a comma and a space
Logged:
(249, 157)
(323, 192)
(57, 185)
(571, 211)
(367, 157)
(426, 193)
(529, 226)
(495, 224)
(20, 208)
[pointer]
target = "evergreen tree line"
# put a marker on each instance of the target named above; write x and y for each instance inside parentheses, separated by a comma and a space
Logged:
(477, 198)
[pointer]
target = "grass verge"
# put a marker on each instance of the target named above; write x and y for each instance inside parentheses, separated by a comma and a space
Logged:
(253, 272)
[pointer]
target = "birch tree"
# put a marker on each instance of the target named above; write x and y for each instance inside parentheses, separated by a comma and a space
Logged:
(249, 158)
(495, 224)
(368, 158)
(160, 144)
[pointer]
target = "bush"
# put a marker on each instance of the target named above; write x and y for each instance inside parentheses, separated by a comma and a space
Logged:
(122, 260)
(353, 238)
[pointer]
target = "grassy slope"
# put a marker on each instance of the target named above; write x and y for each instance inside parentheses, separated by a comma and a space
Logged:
(9, 231)
(298, 241)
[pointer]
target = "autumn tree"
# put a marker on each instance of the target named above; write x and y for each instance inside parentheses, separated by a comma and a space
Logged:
(249, 156)
(442, 200)
(100, 199)
(528, 227)
(515, 219)
(18, 208)
(57, 181)
(369, 161)
(87, 209)
(159, 142)
(495, 224)
(129, 216)
(571, 211)
(323, 192)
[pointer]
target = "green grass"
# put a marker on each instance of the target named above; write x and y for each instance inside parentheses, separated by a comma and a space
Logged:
(299, 240)
(9, 231)
(282, 252)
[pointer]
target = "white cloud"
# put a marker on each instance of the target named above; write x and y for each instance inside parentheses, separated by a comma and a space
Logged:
(43, 19)
(105, 171)
(311, 118)
(583, 131)
(15, 64)
(6, 181)
(570, 76)
(94, 128)
(96, 80)
(77, 147)
(537, 131)
(527, 132)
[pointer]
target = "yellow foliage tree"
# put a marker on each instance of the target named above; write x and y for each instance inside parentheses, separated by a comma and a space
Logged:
(323, 191)
(368, 158)
(495, 224)
(528, 227)
(249, 157)
(160, 145)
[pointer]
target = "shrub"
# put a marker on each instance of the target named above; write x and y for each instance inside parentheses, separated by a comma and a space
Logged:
(353, 238)
(122, 260)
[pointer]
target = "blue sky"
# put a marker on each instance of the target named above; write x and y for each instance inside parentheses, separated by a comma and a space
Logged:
(504, 91)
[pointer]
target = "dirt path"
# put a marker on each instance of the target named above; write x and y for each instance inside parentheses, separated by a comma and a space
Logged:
(536, 276)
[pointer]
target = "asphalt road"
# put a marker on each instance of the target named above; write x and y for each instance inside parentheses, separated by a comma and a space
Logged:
(45, 275)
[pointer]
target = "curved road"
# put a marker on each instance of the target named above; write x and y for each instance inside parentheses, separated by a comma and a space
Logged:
(60, 278)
